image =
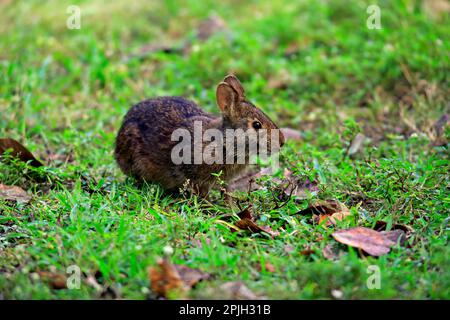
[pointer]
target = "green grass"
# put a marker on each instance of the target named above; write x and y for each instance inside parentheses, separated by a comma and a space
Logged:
(64, 92)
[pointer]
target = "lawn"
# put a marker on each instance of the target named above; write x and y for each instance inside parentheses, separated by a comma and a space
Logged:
(312, 66)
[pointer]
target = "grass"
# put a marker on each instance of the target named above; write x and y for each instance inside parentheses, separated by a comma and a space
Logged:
(311, 65)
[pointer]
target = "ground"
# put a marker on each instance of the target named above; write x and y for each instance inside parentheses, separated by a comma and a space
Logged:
(313, 66)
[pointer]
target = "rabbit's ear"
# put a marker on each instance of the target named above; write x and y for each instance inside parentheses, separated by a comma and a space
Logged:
(226, 98)
(234, 82)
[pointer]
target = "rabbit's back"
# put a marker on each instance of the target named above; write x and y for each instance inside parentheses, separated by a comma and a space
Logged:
(143, 144)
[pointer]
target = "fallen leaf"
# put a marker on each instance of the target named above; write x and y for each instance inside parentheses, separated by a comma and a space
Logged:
(14, 193)
(165, 279)
(307, 252)
(373, 242)
(55, 280)
(289, 185)
(237, 290)
(396, 236)
(300, 189)
(267, 266)
(169, 278)
(356, 144)
(329, 211)
(191, 276)
(247, 222)
(18, 151)
(382, 225)
(246, 182)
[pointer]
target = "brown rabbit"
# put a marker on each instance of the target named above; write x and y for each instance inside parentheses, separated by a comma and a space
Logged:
(145, 146)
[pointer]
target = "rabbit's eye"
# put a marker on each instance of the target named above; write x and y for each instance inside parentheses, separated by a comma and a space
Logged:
(257, 125)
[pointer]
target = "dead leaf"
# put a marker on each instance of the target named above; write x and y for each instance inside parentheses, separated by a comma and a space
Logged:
(247, 222)
(14, 193)
(267, 266)
(191, 276)
(55, 280)
(373, 242)
(168, 278)
(300, 189)
(307, 252)
(237, 290)
(396, 236)
(356, 144)
(165, 279)
(328, 210)
(246, 182)
(18, 151)
(288, 186)
(291, 134)
(382, 225)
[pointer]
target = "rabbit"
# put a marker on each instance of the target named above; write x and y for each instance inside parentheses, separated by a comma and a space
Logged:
(144, 143)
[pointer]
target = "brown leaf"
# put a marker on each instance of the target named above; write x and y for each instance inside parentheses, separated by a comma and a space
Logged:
(328, 210)
(18, 151)
(300, 189)
(168, 278)
(396, 236)
(14, 193)
(356, 144)
(267, 266)
(371, 241)
(382, 225)
(288, 186)
(246, 213)
(247, 222)
(236, 290)
(55, 280)
(246, 182)
(191, 276)
(165, 279)
(307, 252)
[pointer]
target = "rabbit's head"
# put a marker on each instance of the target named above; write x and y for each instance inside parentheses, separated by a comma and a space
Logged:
(239, 113)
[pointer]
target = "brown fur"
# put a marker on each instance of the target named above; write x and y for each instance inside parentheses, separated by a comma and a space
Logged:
(143, 144)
